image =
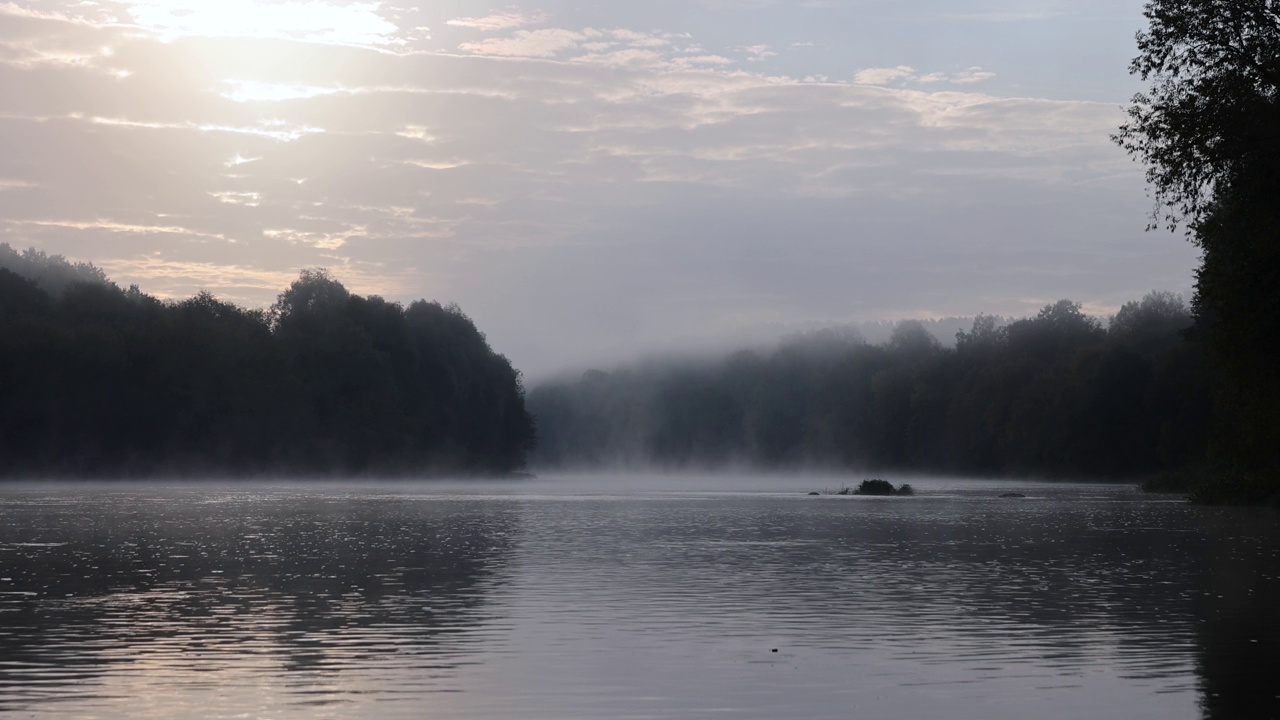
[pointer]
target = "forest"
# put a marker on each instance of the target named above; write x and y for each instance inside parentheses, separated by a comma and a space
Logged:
(1057, 395)
(99, 381)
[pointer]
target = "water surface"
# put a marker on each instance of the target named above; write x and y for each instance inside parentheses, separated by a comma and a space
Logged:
(584, 597)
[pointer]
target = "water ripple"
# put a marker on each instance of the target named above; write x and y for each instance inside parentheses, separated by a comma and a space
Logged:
(324, 601)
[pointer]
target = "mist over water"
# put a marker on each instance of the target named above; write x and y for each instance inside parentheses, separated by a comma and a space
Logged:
(1053, 396)
(632, 596)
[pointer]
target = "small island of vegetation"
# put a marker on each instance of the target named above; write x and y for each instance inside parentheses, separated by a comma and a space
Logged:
(882, 487)
(872, 487)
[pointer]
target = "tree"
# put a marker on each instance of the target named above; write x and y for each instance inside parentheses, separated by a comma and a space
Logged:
(1209, 121)
(314, 294)
(987, 332)
(1208, 130)
(1150, 325)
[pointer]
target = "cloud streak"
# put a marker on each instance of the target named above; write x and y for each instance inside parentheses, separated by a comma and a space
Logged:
(498, 21)
(907, 75)
(312, 21)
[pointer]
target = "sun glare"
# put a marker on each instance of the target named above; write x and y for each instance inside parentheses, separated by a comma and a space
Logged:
(255, 91)
(311, 21)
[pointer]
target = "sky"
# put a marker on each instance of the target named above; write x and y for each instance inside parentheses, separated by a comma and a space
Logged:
(590, 180)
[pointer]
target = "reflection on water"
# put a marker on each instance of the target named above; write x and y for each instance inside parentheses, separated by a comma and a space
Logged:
(237, 601)
(541, 600)
(1239, 596)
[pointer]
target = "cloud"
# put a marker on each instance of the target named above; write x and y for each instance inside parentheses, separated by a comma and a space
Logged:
(529, 43)
(498, 21)
(307, 20)
(884, 75)
(248, 199)
(616, 47)
(757, 53)
(111, 226)
(905, 74)
(15, 10)
(256, 91)
(639, 39)
(970, 75)
(173, 278)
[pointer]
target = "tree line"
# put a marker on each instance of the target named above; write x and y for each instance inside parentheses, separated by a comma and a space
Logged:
(1055, 395)
(96, 380)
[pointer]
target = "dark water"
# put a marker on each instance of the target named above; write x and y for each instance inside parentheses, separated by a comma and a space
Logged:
(648, 599)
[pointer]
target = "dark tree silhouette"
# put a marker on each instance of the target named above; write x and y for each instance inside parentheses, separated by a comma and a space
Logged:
(99, 381)
(1208, 130)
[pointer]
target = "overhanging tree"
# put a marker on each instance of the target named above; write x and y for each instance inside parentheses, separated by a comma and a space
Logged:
(1208, 130)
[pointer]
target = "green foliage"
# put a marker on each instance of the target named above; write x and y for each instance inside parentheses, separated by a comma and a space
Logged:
(1151, 326)
(1238, 291)
(1210, 117)
(1053, 395)
(99, 381)
(1208, 130)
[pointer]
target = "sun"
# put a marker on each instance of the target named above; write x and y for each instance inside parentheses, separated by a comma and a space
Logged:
(335, 23)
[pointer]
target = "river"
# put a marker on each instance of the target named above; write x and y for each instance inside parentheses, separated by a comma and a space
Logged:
(633, 597)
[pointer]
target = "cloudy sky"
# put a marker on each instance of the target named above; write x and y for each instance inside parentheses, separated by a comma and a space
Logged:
(589, 179)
